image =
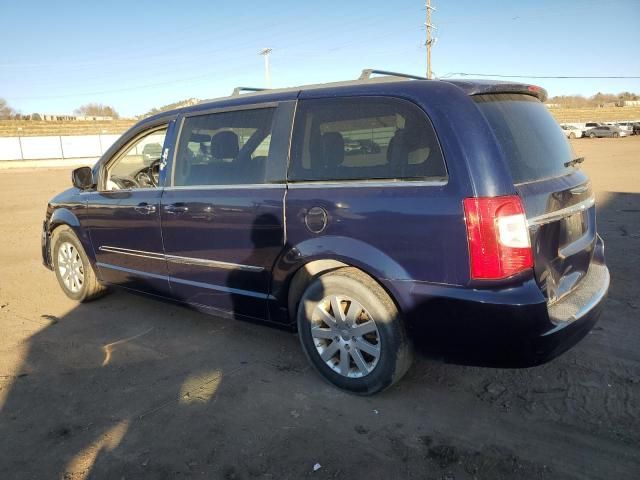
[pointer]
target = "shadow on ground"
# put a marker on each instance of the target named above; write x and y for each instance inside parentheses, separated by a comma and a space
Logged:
(127, 387)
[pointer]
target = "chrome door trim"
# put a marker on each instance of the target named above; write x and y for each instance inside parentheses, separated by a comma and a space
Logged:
(212, 263)
(133, 253)
(562, 213)
(202, 262)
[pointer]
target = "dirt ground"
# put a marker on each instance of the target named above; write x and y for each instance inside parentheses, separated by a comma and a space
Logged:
(128, 387)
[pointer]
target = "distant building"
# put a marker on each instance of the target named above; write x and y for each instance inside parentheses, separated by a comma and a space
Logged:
(629, 103)
(53, 117)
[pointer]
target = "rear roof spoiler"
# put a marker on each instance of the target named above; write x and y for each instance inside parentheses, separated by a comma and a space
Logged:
(485, 87)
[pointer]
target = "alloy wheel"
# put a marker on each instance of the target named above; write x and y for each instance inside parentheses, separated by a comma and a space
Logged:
(345, 336)
(70, 267)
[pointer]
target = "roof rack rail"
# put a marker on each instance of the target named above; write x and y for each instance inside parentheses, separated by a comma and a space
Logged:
(367, 72)
(238, 90)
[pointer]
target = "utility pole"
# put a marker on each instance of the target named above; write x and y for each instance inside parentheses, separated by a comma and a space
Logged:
(430, 40)
(267, 68)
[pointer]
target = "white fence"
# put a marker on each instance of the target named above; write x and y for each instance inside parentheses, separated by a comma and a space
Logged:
(55, 147)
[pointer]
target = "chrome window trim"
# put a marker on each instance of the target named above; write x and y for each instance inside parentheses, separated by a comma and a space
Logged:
(239, 186)
(181, 260)
(563, 212)
(367, 183)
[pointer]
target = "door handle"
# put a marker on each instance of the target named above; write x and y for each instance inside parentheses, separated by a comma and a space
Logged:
(145, 208)
(176, 208)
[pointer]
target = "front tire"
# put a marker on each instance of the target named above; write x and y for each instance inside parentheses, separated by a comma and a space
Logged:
(352, 332)
(572, 136)
(615, 135)
(592, 135)
(73, 270)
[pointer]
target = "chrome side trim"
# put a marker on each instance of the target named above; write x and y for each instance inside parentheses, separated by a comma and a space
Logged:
(368, 183)
(182, 260)
(563, 212)
(133, 253)
(212, 263)
(244, 186)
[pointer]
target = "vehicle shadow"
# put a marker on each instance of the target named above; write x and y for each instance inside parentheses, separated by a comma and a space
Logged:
(130, 387)
(127, 386)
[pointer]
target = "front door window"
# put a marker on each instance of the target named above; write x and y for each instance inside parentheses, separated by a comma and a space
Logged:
(138, 165)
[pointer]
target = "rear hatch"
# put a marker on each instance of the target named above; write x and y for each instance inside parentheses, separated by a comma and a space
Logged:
(557, 196)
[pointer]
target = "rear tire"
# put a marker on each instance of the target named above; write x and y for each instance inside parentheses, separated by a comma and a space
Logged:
(364, 347)
(73, 270)
(615, 135)
(572, 135)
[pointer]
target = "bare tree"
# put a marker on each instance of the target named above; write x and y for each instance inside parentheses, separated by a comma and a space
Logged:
(5, 110)
(96, 109)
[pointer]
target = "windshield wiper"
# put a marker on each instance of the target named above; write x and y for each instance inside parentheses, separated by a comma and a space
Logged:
(574, 162)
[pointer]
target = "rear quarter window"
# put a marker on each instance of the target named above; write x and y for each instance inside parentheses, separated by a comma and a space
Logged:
(363, 138)
(533, 144)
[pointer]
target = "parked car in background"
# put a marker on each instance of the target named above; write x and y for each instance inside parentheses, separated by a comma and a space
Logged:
(151, 152)
(636, 128)
(483, 244)
(572, 132)
(605, 131)
(626, 127)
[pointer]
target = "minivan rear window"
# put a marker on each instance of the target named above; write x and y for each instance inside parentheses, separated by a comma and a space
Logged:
(534, 145)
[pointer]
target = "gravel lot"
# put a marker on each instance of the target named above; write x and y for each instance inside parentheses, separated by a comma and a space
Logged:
(129, 387)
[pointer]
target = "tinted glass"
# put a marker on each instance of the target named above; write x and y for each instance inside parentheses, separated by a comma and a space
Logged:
(227, 148)
(534, 146)
(362, 139)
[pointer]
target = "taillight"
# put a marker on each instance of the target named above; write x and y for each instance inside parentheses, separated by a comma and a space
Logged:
(498, 236)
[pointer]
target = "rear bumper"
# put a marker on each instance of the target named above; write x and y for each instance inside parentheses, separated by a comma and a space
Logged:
(510, 327)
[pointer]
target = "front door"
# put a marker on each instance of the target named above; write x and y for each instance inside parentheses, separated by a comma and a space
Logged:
(124, 215)
(222, 218)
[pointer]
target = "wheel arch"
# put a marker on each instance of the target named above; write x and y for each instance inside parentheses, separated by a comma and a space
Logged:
(63, 217)
(302, 264)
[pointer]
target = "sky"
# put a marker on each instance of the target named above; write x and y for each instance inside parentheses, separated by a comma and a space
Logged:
(136, 55)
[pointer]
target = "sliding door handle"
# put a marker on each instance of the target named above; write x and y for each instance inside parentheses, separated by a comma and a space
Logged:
(176, 208)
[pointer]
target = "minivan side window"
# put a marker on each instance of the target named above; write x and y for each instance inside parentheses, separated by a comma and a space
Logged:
(131, 168)
(225, 148)
(363, 138)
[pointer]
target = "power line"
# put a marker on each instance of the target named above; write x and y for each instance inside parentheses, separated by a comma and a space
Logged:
(498, 75)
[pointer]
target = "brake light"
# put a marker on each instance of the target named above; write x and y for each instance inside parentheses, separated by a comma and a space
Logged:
(498, 237)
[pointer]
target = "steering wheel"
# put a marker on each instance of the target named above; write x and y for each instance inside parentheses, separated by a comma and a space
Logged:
(149, 176)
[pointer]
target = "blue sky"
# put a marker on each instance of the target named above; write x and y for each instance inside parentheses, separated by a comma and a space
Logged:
(135, 55)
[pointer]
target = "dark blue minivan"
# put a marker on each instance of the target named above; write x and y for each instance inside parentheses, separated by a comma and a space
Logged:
(369, 215)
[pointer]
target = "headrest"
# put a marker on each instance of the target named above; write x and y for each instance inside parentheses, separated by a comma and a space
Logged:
(225, 145)
(199, 138)
(333, 149)
(398, 150)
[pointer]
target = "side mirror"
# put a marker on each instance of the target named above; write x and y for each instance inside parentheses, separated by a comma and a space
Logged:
(82, 178)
